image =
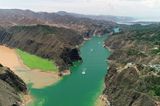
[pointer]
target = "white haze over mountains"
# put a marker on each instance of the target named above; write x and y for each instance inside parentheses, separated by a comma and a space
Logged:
(145, 9)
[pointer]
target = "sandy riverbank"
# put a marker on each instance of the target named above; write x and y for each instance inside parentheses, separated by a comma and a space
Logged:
(38, 79)
(26, 100)
(9, 58)
(102, 101)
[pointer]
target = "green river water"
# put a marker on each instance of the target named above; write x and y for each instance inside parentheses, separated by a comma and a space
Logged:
(78, 89)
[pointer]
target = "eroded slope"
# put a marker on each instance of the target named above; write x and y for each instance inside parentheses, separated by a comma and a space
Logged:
(133, 78)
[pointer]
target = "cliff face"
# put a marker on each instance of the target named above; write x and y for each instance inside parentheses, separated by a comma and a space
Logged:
(11, 86)
(133, 78)
(54, 43)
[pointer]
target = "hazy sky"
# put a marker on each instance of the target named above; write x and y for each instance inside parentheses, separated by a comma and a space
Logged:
(141, 8)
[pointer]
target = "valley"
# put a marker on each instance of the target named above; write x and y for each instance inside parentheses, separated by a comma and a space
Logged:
(67, 59)
(39, 53)
(78, 86)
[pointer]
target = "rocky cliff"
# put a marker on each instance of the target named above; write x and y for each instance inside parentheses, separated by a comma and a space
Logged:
(133, 78)
(54, 43)
(11, 87)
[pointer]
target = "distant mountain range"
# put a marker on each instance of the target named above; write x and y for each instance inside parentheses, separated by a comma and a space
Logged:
(100, 17)
(28, 17)
(14, 17)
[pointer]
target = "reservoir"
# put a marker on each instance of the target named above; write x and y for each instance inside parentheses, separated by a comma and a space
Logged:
(84, 85)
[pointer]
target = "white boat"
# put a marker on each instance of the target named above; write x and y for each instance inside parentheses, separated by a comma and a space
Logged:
(91, 50)
(83, 72)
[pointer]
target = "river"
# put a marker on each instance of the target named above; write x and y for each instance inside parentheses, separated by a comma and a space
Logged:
(84, 85)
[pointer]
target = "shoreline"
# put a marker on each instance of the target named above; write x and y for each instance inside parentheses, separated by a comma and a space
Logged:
(26, 99)
(39, 78)
(101, 101)
(43, 78)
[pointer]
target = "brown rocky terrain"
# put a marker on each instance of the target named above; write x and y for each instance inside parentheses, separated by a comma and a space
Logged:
(54, 43)
(133, 78)
(11, 88)
(14, 17)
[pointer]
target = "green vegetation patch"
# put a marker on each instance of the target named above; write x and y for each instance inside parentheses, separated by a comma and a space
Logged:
(153, 85)
(155, 90)
(35, 62)
(156, 51)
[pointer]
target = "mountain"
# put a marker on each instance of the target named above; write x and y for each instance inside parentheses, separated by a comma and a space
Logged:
(58, 44)
(14, 17)
(134, 74)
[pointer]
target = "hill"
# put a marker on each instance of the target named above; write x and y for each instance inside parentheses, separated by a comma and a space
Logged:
(133, 77)
(11, 88)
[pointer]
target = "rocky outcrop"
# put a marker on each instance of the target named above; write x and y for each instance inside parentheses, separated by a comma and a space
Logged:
(11, 87)
(70, 55)
(133, 78)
